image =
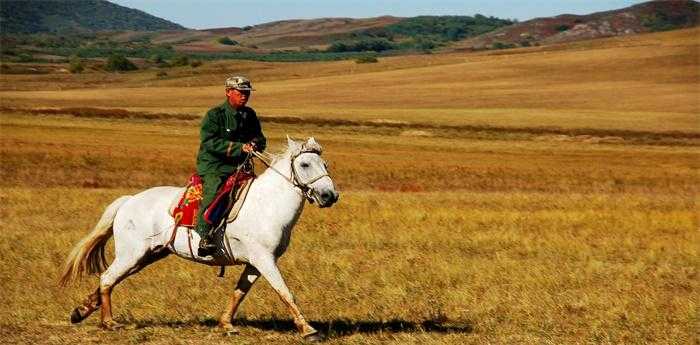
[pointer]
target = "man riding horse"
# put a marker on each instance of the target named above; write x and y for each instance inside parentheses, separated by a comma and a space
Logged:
(230, 132)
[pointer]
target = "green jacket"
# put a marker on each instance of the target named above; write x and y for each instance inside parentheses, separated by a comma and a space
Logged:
(224, 132)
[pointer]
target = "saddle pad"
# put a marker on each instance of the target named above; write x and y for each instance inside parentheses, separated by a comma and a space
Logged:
(185, 210)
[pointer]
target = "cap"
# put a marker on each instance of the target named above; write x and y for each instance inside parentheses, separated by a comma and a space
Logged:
(239, 83)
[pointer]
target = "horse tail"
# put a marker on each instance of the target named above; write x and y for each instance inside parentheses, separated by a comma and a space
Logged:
(88, 256)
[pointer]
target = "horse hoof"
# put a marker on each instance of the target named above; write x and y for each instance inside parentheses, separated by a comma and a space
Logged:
(228, 329)
(75, 316)
(314, 338)
(111, 325)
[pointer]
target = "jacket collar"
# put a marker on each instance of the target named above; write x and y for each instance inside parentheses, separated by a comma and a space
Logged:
(230, 111)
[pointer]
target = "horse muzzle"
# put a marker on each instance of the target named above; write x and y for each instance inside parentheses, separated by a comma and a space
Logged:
(327, 198)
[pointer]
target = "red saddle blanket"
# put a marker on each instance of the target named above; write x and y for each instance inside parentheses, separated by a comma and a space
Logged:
(185, 213)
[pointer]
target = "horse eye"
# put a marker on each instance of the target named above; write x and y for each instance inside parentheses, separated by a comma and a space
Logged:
(304, 165)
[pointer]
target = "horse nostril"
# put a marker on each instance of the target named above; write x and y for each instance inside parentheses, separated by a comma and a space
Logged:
(325, 195)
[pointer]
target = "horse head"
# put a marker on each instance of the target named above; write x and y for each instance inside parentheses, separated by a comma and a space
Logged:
(310, 172)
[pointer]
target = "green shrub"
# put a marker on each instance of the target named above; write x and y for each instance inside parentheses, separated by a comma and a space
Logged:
(227, 41)
(660, 21)
(181, 60)
(423, 43)
(119, 63)
(24, 57)
(501, 45)
(161, 74)
(366, 59)
(195, 63)
(563, 27)
(157, 59)
(451, 28)
(76, 65)
(370, 44)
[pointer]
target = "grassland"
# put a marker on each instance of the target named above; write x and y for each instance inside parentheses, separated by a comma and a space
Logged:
(647, 82)
(443, 235)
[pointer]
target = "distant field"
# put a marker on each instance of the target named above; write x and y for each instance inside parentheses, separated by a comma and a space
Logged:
(641, 82)
(534, 196)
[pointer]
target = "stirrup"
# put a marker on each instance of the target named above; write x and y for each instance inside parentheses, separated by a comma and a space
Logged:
(206, 248)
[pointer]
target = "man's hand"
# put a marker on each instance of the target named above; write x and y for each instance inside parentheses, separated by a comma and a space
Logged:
(249, 147)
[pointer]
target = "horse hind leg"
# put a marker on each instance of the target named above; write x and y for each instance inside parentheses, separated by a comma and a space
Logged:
(115, 273)
(90, 304)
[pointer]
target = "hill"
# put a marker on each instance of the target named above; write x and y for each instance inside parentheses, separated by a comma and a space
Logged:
(312, 32)
(313, 39)
(23, 16)
(372, 34)
(646, 17)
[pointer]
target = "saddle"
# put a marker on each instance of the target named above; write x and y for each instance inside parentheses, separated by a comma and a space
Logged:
(228, 199)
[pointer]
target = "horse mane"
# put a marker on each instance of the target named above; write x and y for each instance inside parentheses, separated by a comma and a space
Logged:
(292, 150)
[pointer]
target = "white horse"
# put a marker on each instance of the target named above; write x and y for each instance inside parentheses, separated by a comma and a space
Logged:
(142, 228)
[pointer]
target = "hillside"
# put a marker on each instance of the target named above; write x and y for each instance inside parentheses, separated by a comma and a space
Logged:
(286, 34)
(637, 82)
(392, 33)
(646, 17)
(23, 16)
(313, 32)
(308, 39)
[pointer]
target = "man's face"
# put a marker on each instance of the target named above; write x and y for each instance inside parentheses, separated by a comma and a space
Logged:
(237, 98)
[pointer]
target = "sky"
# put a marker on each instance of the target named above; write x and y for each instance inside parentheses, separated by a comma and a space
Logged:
(204, 14)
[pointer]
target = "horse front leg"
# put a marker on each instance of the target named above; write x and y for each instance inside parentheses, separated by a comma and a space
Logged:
(245, 282)
(268, 268)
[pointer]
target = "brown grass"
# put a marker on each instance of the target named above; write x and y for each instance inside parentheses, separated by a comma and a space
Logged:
(480, 240)
(548, 221)
(645, 82)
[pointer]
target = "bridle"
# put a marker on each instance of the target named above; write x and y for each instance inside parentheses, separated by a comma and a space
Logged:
(294, 180)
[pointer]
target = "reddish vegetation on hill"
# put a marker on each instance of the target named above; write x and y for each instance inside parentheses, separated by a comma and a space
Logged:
(646, 17)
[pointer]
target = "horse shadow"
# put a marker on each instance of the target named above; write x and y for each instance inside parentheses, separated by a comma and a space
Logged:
(332, 328)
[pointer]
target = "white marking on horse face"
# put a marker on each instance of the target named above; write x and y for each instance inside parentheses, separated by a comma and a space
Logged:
(251, 278)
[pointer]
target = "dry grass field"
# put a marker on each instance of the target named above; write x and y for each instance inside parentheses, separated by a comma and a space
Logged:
(537, 196)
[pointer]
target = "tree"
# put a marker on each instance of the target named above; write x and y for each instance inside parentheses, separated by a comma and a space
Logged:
(227, 41)
(157, 59)
(119, 63)
(181, 60)
(76, 65)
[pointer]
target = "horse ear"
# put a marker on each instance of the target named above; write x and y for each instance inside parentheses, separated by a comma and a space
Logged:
(311, 144)
(291, 144)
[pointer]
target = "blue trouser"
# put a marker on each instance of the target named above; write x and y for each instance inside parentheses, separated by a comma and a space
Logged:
(210, 185)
